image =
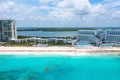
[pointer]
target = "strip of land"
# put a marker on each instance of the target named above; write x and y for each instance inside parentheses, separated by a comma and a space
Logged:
(60, 50)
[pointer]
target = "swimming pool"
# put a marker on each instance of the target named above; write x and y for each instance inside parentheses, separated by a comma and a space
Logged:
(14, 67)
(82, 44)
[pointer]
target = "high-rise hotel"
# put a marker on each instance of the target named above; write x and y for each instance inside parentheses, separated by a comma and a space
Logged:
(7, 30)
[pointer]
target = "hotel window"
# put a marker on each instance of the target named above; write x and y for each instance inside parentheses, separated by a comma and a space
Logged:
(5, 33)
(9, 34)
(0, 36)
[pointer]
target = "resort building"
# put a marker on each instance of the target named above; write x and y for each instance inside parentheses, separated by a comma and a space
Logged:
(7, 30)
(91, 36)
(113, 36)
(99, 37)
(86, 35)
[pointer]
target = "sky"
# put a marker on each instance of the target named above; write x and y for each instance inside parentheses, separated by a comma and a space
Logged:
(62, 13)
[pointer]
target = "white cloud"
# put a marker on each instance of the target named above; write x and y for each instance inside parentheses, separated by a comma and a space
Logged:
(75, 12)
(45, 1)
(98, 9)
(6, 6)
(116, 15)
(69, 10)
(76, 5)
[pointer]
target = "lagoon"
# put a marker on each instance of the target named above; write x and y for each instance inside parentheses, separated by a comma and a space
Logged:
(48, 33)
(18, 67)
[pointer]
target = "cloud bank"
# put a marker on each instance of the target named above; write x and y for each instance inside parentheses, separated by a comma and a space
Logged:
(62, 13)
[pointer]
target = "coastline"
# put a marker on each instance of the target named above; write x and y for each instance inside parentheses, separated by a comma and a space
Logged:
(69, 51)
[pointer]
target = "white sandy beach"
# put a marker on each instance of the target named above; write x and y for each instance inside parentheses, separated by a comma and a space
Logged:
(72, 51)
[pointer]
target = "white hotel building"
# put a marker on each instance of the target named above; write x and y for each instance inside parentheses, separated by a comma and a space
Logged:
(99, 36)
(113, 36)
(86, 35)
(7, 30)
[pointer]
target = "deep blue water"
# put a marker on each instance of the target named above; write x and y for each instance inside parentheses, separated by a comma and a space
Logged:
(59, 68)
(48, 33)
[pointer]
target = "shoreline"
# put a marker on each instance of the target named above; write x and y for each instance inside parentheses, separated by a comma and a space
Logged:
(69, 51)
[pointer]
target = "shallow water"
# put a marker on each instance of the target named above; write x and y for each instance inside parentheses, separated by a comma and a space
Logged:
(59, 68)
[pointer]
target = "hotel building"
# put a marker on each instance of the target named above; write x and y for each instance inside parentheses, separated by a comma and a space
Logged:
(86, 35)
(7, 30)
(99, 36)
(112, 36)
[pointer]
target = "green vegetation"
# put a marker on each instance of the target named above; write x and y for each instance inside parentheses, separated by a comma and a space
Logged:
(23, 37)
(58, 44)
(18, 44)
(35, 43)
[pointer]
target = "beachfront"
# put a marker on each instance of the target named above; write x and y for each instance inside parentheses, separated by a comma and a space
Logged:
(59, 50)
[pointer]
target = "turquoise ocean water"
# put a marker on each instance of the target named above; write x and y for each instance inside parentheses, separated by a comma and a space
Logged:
(59, 68)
